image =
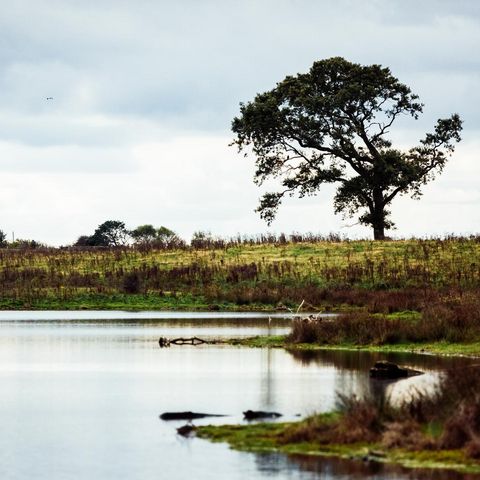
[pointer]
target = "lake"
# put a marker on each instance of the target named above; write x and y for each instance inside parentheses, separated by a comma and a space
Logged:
(81, 395)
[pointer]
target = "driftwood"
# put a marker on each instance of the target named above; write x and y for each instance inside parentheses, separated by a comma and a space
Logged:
(257, 414)
(165, 342)
(186, 415)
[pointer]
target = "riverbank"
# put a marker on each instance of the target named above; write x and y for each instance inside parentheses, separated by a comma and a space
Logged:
(129, 302)
(450, 326)
(269, 437)
(471, 349)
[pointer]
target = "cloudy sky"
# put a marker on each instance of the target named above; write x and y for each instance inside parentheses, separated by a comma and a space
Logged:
(144, 92)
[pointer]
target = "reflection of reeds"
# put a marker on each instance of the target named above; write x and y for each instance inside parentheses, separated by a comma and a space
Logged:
(382, 276)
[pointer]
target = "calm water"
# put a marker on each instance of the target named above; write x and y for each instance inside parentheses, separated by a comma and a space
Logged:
(81, 393)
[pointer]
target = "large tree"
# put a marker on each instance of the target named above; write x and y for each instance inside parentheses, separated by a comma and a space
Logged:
(331, 125)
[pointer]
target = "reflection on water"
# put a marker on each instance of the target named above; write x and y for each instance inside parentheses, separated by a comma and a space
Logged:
(98, 315)
(80, 398)
(360, 360)
(358, 363)
(314, 468)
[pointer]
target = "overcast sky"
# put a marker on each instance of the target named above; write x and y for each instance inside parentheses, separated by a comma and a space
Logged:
(144, 92)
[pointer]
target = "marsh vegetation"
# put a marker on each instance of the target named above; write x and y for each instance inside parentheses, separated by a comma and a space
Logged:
(256, 273)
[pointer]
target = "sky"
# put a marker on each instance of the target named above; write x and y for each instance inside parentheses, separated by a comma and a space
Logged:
(144, 92)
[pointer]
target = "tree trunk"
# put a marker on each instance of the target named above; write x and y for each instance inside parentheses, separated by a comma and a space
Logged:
(379, 231)
(378, 216)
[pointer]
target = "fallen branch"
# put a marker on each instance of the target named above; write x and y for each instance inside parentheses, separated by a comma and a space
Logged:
(165, 342)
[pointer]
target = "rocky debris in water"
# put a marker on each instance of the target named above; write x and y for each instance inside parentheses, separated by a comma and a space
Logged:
(391, 371)
(186, 430)
(257, 414)
(186, 415)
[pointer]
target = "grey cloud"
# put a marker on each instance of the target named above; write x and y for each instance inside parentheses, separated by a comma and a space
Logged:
(16, 158)
(191, 63)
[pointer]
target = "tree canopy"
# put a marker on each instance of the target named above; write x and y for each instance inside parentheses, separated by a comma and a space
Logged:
(331, 125)
(144, 234)
(160, 237)
(111, 233)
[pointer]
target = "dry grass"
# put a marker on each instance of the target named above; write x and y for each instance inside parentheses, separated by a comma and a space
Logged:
(449, 319)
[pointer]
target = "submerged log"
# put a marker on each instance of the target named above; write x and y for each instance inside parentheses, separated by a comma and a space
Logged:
(258, 414)
(391, 371)
(186, 415)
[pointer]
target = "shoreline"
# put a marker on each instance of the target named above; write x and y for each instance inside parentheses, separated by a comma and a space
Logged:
(443, 348)
(264, 437)
(427, 348)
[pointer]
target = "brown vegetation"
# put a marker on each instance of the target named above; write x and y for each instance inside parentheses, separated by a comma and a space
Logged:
(450, 419)
(450, 319)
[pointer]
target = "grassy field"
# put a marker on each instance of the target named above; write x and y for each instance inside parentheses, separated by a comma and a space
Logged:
(384, 276)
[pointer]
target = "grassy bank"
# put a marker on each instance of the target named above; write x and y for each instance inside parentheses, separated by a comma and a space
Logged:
(268, 437)
(440, 430)
(380, 277)
(449, 327)
(434, 348)
(122, 301)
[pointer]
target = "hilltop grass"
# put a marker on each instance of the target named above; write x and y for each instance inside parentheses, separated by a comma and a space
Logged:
(386, 277)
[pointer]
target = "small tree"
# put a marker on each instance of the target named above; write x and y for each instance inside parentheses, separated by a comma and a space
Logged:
(167, 237)
(111, 233)
(84, 241)
(144, 234)
(3, 239)
(330, 125)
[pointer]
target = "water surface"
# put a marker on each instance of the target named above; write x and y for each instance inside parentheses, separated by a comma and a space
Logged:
(82, 392)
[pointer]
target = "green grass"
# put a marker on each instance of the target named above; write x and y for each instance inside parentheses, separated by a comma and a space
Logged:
(437, 348)
(121, 301)
(265, 437)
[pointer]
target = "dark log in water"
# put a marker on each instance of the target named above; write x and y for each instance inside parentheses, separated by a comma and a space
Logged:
(187, 415)
(258, 414)
(391, 371)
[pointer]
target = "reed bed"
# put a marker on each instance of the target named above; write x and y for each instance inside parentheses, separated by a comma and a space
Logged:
(448, 319)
